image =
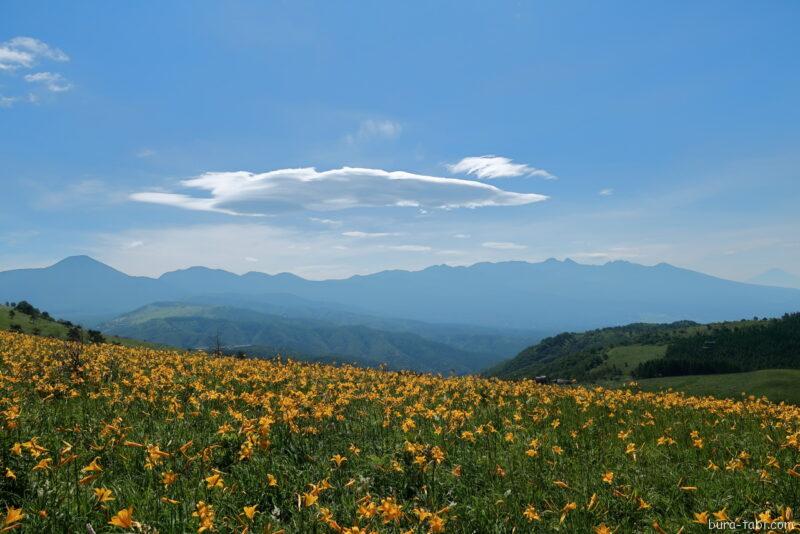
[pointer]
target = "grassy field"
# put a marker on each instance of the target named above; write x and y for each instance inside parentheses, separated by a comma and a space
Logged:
(43, 326)
(142, 440)
(625, 358)
(776, 384)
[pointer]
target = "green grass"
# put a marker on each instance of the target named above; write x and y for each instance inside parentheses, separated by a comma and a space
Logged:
(776, 384)
(626, 358)
(43, 327)
(172, 310)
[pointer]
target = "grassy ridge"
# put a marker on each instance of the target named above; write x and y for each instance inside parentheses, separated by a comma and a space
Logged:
(28, 325)
(183, 442)
(54, 329)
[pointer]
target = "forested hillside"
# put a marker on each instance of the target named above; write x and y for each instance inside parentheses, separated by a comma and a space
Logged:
(576, 355)
(730, 348)
(650, 350)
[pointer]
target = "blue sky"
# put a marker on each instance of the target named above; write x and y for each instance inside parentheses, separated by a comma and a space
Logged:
(157, 135)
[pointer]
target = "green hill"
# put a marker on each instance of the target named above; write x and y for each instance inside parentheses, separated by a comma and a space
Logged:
(36, 322)
(194, 326)
(623, 360)
(14, 319)
(657, 355)
(594, 354)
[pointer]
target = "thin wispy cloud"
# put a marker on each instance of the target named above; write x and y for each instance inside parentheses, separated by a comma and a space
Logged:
(491, 167)
(23, 54)
(370, 129)
(606, 192)
(360, 234)
(245, 193)
(503, 245)
(26, 52)
(410, 248)
(277, 249)
(53, 82)
(326, 222)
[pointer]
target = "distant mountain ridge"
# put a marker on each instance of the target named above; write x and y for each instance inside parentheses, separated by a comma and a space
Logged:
(548, 296)
(195, 326)
(777, 278)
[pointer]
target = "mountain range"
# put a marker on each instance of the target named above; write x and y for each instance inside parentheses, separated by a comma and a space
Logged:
(482, 313)
(777, 278)
(548, 296)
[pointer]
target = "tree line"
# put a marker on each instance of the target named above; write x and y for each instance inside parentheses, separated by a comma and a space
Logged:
(766, 344)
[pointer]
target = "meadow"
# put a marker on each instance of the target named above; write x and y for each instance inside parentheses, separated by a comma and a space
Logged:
(776, 384)
(144, 440)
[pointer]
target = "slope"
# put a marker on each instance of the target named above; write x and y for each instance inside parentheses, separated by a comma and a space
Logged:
(196, 326)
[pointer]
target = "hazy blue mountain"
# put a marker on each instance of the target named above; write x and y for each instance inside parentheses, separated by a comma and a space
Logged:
(777, 278)
(547, 296)
(491, 342)
(78, 288)
(196, 326)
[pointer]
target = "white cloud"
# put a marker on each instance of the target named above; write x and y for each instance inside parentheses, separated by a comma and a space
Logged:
(182, 201)
(503, 245)
(410, 248)
(607, 192)
(25, 52)
(54, 82)
(145, 153)
(489, 167)
(461, 236)
(245, 193)
(613, 253)
(327, 222)
(251, 259)
(375, 129)
(359, 234)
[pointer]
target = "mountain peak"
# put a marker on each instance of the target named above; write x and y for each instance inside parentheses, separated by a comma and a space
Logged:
(81, 259)
(82, 262)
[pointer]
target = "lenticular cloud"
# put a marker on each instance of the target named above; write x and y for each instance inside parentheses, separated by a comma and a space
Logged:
(245, 193)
